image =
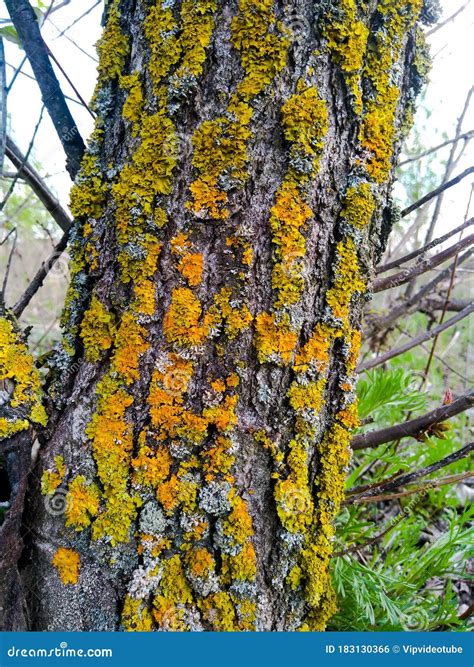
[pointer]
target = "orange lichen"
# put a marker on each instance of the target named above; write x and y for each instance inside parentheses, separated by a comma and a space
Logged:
(315, 353)
(67, 563)
(274, 338)
(191, 267)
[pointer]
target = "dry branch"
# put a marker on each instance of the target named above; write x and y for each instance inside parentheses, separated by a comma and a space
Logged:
(414, 427)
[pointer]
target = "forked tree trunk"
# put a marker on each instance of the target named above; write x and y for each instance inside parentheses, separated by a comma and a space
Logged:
(229, 213)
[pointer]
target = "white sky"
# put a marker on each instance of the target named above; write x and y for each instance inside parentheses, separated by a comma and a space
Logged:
(451, 78)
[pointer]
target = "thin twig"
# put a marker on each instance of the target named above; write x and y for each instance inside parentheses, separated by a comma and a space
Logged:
(404, 276)
(450, 479)
(79, 18)
(414, 427)
(409, 478)
(422, 338)
(25, 159)
(381, 323)
(421, 251)
(38, 186)
(448, 20)
(7, 269)
(39, 277)
(437, 191)
(466, 136)
(3, 105)
(32, 78)
(451, 164)
(64, 73)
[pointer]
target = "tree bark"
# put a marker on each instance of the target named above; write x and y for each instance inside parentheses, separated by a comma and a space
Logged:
(230, 210)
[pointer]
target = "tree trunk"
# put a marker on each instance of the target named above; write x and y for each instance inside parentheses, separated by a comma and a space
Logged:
(230, 210)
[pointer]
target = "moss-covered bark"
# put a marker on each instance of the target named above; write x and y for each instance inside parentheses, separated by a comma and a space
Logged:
(229, 213)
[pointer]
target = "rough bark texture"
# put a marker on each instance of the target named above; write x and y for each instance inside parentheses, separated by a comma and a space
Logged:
(231, 207)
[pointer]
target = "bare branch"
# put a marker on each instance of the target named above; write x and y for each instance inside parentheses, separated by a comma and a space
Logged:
(428, 335)
(448, 20)
(39, 277)
(402, 480)
(421, 251)
(7, 269)
(454, 305)
(437, 191)
(415, 426)
(38, 186)
(27, 27)
(466, 136)
(25, 158)
(422, 266)
(3, 105)
(384, 322)
(434, 484)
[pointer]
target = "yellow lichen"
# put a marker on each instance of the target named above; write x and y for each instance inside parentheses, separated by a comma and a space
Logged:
(241, 567)
(218, 610)
(52, 479)
(133, 105)
(18, 371)
(136, 616)
(181, 323)
(130, 344)
(377, 133)
(347, 282)
(307, 396)
(359, 205)
(262, 44)
(97, 329)
(112, 445)
(293, 496)
(112, 47)
(82, 503)
(305, 123)
(238, 524)
(347, 40)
